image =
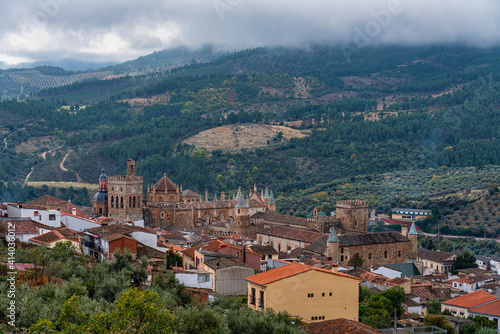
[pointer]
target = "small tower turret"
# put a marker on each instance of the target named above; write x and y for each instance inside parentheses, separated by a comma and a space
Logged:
(241, 217)
(413, 236)
(271, 206)
(332, 245)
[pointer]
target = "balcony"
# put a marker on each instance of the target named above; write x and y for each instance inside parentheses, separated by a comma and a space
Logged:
(93, 246)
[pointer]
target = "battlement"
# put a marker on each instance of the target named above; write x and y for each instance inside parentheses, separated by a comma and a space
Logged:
(352, 204)
(163, 205)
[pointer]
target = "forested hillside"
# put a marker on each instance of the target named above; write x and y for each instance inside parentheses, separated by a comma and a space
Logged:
(427, 117)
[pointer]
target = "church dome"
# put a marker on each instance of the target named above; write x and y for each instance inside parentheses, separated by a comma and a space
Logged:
(103, 175)
(100, 196)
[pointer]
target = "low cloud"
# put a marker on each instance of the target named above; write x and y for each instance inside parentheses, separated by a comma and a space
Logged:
(118, 30)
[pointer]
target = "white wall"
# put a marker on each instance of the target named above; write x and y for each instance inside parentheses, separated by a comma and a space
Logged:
(148, 239)
(77, 223)
(42, 216)
(192, 280)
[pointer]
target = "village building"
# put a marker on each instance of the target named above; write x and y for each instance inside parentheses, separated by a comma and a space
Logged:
(313, 294)
(435, 262)
(460, 306)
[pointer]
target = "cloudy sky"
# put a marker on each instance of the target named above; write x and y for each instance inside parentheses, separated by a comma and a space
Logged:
(112, 31)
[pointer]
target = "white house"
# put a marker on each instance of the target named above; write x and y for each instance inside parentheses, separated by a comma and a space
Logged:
(195, 279)
(469, 283)
(489, 310)
(386, 271)
(47, 217)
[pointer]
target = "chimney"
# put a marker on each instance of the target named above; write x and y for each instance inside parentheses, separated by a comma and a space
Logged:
(222, 196)
(231, 241)
(181, 244)
(334, 267)
(73, 211)
(404, 231)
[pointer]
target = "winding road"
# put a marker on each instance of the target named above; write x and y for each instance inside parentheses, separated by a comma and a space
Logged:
(44, 156)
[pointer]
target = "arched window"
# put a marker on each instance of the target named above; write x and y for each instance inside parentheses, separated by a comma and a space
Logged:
(121, 202)
(130, 202)
(134, 201)
(112, 202)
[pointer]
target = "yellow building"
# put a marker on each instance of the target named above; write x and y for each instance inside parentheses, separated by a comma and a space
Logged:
(313, 294)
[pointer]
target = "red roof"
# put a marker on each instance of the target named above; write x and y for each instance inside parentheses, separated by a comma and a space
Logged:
(47, 200)
(164, 184)
(492, 308)
(22, 225)
(210, 246)
(471, 299)
(289, 270)
(339, 326)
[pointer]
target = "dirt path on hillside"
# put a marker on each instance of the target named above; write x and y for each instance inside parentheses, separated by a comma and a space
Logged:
(44, 156)
(5, 141)
(64, 169)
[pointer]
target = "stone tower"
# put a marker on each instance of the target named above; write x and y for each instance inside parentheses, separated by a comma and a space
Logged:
(413, 236)
(241, 217)
(353, 214)
(125, 195)
(332, 245)
(100, 199)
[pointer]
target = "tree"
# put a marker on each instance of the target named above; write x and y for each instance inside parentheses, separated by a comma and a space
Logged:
(326, 208)
(173, 259)
(438, 321)
(434, 306)
(464, 260)
(356, 261)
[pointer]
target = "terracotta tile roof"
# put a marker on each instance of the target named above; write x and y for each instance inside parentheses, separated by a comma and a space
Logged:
(23, 225)
(397, 281)
(368, 238)
(111, 231)
(295, 253)
(434, 256)
(173, 235)
(225, 262)
(56, 235)
(282, 219)
(319, 246)
(43, 226)
(492, 308)
(292, 234)
(210, 246)
(190, 193)
(263, 249)
(422, 291)
(339, 326)
(356, 272)
(286, 271)
(164, 184)
(77, 211)
(46, 200)
(472, 299)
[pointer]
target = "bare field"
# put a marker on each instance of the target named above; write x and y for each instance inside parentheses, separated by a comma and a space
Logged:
(232, 137)
(50, 184)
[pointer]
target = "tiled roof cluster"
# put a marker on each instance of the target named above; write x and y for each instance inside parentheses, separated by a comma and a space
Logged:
(281, 219)
(292, 234)
(339, 326)
(114, 231)
(489, 309)
(47, 200)
(210, 246)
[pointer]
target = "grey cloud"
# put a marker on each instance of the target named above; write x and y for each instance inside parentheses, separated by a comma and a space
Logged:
(118, 30)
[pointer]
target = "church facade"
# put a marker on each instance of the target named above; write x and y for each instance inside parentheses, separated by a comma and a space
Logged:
(166, 203)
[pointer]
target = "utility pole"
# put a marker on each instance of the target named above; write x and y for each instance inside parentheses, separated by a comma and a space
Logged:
(395, 322)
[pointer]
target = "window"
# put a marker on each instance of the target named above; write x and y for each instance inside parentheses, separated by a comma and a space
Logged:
(341, 250)
(385, 254)
(330, 294)
(130, 202)
(261, 301)
(134, 202)
(52, 216)
(203, 278)
(112, 202)
(341, 258)
(399, 253)
(252, 296)
(310, 295)
(121, 203)
(323, 294)
(369, 256)
(100, 212)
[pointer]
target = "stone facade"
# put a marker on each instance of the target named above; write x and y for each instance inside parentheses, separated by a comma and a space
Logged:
(353, 214)
(125, 195)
